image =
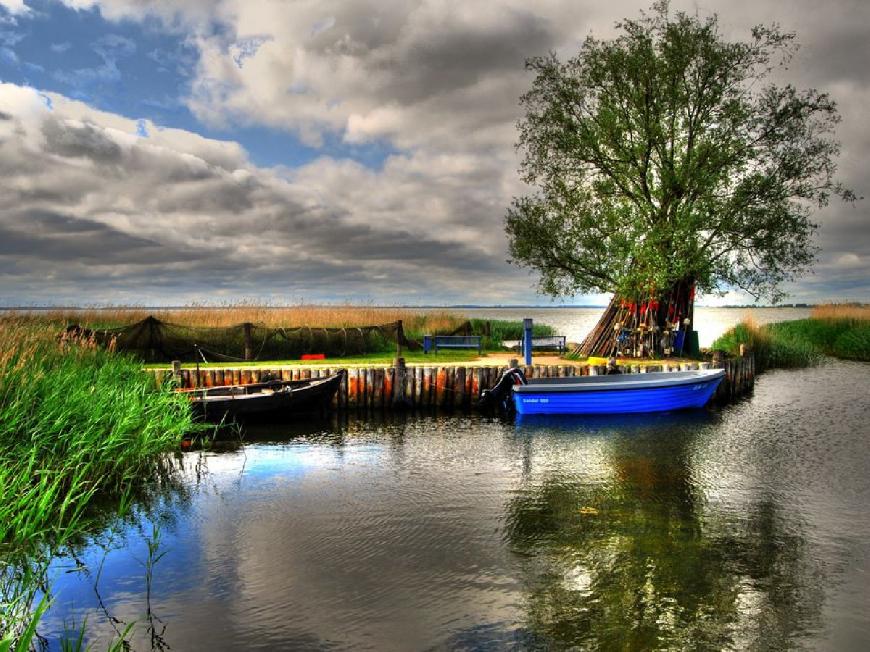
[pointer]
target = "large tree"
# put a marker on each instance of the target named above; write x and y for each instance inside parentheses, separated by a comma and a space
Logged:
(667, 159)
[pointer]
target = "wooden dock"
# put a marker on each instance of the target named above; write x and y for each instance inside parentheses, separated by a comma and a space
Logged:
(445, 387)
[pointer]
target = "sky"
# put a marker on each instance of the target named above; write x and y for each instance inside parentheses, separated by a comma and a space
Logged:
(164, 153)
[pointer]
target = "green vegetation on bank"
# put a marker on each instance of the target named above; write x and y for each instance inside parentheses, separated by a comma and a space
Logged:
(347, 333)
(801, 342)
(77, 424)
(378, 358)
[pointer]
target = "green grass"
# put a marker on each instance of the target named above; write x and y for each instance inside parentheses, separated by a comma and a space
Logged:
(411, 358)
(499, 330)
(801, 342)
(78, 424)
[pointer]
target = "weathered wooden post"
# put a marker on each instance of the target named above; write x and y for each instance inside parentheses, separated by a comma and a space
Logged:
(459, 390)
(378, 376)
(440, 387)
(398, 398)
(176, 372)
(400, 333)
(249, 341)
(353, 388)
(410, 375)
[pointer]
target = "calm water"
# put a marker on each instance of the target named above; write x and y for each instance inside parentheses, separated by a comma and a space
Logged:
(741, 528)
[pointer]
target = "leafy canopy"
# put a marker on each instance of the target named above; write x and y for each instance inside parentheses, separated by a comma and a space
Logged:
(665, 154)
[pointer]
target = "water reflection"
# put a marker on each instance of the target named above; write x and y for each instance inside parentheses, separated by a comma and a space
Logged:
(638, 558)
(741, 529)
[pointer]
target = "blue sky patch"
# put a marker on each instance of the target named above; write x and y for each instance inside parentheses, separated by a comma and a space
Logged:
(138, 70)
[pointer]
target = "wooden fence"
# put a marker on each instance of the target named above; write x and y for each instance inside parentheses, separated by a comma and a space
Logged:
(450, 387)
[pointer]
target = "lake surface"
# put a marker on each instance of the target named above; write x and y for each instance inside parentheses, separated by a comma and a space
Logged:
(745, 527)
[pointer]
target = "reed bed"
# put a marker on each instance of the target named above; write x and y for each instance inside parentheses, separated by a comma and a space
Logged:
(841, 331)
(77, 423)
(840, 311)
(221, 316)
(771, 348)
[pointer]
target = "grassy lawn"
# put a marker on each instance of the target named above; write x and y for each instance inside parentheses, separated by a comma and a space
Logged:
(411, 358)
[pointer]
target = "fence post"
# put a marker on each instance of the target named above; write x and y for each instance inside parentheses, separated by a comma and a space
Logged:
(400, 333)
(249, 343)
(399, 381)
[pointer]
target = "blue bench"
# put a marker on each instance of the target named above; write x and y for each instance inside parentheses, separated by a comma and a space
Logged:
(452, 342)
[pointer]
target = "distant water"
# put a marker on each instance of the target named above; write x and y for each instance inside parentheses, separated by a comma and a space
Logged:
(575, 323)
(744, 528)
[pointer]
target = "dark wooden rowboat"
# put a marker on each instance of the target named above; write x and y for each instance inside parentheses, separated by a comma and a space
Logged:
(277, 399)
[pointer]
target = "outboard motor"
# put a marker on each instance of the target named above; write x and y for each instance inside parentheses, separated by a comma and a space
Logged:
(499, 397)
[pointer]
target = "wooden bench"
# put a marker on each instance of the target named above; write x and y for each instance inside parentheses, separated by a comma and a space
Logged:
(452, 342)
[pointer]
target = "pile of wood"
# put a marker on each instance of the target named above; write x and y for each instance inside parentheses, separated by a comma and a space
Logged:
(655, 325)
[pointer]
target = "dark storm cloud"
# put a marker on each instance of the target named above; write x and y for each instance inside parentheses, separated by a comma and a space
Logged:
(438, 82)
(439, 62)
(101, 215)
(64, 239)
(80, 140)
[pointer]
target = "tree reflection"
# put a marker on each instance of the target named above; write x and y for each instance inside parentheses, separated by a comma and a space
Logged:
(640, 560)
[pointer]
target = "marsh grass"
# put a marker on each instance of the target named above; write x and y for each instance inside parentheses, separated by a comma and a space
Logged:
(416, 323)
(835, 330)
(78, 424)
(231, 314)
(501, 330)
(841, 311)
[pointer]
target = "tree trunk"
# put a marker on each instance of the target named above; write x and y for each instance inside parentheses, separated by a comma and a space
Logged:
(653, 326)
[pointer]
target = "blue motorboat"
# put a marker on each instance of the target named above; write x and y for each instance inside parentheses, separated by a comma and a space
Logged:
(618, 394)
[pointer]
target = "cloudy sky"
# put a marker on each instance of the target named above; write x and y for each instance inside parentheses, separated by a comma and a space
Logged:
(160, 152)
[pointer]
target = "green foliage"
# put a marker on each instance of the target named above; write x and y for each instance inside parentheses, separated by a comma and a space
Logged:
(799, 343)
(853, 343)
(666, 154)
(72, 425)
(77, 423)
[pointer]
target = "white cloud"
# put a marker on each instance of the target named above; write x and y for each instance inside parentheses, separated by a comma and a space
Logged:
(15, 7)
(91, 209)
(439, 81)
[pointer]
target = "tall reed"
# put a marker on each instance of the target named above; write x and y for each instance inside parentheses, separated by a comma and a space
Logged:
(77, 422)
(230, 314)
(837, 311)
(833, 330)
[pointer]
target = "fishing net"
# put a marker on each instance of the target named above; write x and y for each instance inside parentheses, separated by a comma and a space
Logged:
(153, 340)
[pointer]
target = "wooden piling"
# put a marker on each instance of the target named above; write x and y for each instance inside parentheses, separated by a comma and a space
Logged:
(422, 389)
(353, 388)
(426, 393)
(440, 387)
(444, 387)
(459, 389)
(378, 388)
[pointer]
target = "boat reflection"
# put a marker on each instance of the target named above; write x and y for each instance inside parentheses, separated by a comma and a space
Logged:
(623, 550)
